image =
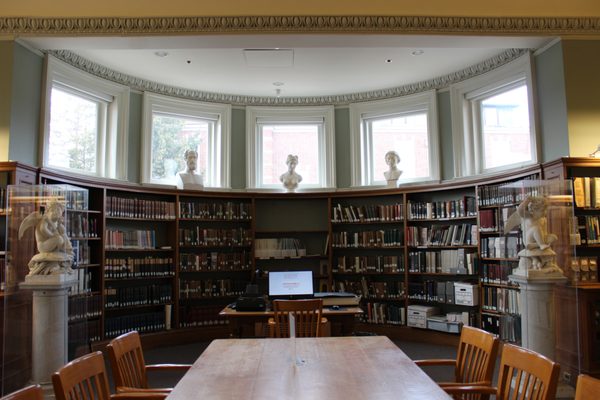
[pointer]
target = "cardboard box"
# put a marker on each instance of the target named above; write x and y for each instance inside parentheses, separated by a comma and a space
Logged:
(466, 294)
(417, 315)
(439, 323)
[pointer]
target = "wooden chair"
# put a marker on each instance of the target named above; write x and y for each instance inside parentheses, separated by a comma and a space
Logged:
(129, 367)
(307, 316)
(475, 358)
(524, 375)
(85, 378)
(32, 392)
(588, 388)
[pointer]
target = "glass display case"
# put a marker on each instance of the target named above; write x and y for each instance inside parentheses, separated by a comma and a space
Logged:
(46, 237)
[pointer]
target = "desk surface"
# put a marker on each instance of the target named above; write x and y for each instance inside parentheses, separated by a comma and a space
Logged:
(368, 367)
(230, 312)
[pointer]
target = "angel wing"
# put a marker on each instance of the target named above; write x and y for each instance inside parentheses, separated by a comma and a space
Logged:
(31, 220)
(512, 222)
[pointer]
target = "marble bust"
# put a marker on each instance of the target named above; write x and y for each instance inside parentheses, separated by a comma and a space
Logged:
(393, 173)
(291, 179)
(189, 179)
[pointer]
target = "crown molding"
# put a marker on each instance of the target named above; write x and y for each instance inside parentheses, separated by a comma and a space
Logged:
(298, 24)
(240, 100)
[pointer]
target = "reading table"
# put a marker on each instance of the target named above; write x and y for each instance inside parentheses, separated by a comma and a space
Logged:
(353, 367)
(243, 323)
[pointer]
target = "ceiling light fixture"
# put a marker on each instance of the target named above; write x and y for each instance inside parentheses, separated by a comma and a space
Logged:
(161, 53)
(417, 52)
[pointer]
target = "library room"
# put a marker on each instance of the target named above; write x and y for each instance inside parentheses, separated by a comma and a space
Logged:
(326, 200)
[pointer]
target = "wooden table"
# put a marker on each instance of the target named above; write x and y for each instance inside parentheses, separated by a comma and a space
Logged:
(242, 323)
(353, 367)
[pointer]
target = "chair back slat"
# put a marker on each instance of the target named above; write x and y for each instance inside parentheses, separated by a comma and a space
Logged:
(588, 388)
(306, 313)
(476, 355)
(526, 375)
(127, 361)
(82, 379)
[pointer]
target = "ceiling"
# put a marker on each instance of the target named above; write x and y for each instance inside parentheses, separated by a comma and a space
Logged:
(298, 65)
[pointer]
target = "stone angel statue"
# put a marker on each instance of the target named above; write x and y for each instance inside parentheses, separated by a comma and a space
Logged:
(537, 253)
(55, 253)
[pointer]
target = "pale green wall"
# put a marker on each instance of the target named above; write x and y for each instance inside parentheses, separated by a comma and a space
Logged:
(343, 165)
(552, 109)
(445, 128)
(238, 148)
(6, 67)
(25, 110)
(135, 137)
(581, 60)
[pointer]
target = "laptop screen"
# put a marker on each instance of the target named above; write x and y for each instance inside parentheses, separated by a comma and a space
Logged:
(290, 284)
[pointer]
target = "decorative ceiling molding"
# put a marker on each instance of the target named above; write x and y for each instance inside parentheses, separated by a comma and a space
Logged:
(155, 87)
(298, 24)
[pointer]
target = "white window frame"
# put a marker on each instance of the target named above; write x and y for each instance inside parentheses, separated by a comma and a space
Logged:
(220, 146)
(359, 144)
(112, 144)
(466, 126)
(283, 115)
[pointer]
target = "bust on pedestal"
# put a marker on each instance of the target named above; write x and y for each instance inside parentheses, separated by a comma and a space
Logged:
(393, 173)
(189, 179)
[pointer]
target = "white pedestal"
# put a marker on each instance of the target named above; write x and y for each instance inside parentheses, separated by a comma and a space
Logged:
(49, 320)
(537, 312)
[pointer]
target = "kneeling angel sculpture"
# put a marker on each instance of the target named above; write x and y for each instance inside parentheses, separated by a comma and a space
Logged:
(537, 253)
(55, 253)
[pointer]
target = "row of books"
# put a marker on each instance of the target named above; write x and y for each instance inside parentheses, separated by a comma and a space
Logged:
(368, 213)
(459, 208)
(502, 300)
(83, 282)
(442, 235)
(279, 247)
(507, 326)
(128, 296)
(215, 261)
(85, 332)
(81, 252)
(193, 316)
(367, 288)
(584, 270)
(138, 267)
(586, 191)
(215, 211)
(215, 237)
(370, 264)
(81, 225)
(84, 307)
(501, 246)
(432, 291)
(494, 219)
(588, 227)
(496, 273)
(143, 323)
(130, 239)
(447, 261)
(384, 313)
(210, 288)
(127, 207)
(378, 238)
(508, 193)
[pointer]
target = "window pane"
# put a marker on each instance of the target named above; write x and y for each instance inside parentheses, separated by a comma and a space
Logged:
(407, 135)
(73, 131)
(505, 127)
(171, 137)
(280, 140)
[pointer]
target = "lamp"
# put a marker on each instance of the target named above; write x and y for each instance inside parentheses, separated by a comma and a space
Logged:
(596, 153)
